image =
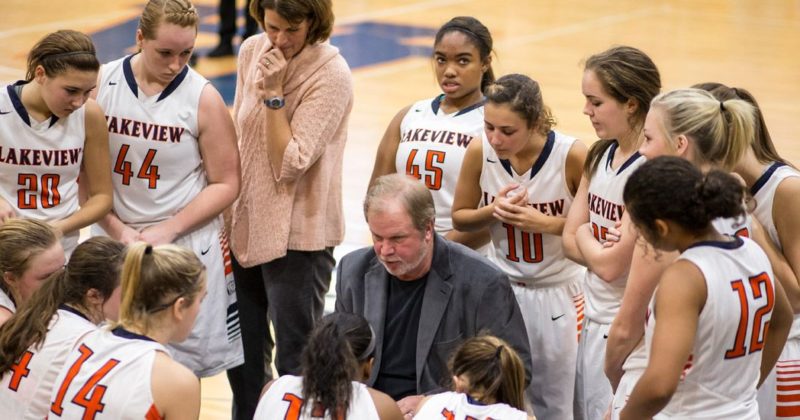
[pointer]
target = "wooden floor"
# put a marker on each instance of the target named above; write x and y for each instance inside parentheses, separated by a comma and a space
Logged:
(752, 44)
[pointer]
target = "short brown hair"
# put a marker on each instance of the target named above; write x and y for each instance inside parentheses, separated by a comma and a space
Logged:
(318, 12)
(411, 193)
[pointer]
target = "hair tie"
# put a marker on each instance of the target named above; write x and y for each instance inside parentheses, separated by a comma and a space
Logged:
(497, 352)
(68, 54)
(148, 249)
(721, 107)
(371, 345)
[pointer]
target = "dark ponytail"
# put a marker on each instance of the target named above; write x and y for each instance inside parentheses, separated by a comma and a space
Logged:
(671, 188)
(330, 360)
(719, 194)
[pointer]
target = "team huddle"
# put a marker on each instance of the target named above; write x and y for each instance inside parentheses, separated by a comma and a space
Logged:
(514, 273)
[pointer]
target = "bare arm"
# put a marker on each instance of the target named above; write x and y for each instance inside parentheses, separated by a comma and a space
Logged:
(785, 208)
(221, 163)
(96, 173)
(467, 216)
(608, 263)
(680, 297)
(627, 329)
(176, 391)
(387, 408)
(387, 149)
(578, 215)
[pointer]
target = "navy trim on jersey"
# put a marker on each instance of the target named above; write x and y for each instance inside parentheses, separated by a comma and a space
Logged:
(123, 333)
(765, 177)
(629, 162)
(540, 161)
(735, 243)
(20, 108)
(436, 103)
(131, 80)
(74, 311)
(473, 401)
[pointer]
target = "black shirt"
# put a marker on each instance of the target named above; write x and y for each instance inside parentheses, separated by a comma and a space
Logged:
(398, 371)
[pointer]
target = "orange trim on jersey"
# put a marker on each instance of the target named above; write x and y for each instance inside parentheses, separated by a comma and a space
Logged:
(787, 411)
(152, 413)
(788, 398)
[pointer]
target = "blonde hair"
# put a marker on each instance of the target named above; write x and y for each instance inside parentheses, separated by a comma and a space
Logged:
(153, 278)
(21, 240)
(720, 130)
(177, 12)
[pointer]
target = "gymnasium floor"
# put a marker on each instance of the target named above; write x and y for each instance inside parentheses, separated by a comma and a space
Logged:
(752, 44)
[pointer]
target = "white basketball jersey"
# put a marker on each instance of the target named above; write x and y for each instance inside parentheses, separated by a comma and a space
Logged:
(734, 226)
(457, 406)
(605, 210)
(25, 391)
(531, 257)
(6, 302)
(432, 147)
(157, 167)
(40, 162)
(108, 376)
(719, 379)
(763, 191)
(284, 400)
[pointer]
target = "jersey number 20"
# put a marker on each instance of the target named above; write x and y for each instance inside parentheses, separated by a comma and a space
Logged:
(45, 187)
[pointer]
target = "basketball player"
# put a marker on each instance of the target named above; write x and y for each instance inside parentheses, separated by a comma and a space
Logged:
(618, 85)
(338, 356)
(176, 167)
(428, 139)
(691, 124)
(718, 322)
(35, 343)
(29, 253)
(125, 371)
(488, 383)
(48, 136)
(775, 188)
(519, 182)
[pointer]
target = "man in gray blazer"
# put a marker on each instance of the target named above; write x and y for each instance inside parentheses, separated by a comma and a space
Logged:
(422, 294)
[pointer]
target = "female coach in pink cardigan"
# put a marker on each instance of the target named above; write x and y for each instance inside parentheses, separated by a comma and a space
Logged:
(294, 93)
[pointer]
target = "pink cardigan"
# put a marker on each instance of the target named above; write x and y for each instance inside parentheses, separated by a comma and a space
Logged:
(300, 208)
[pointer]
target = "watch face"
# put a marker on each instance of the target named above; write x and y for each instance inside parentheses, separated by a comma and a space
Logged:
(274, 103)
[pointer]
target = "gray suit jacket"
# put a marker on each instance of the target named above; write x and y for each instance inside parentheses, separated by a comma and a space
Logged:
(465, 294)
